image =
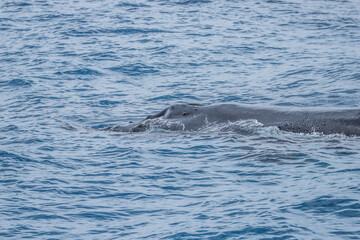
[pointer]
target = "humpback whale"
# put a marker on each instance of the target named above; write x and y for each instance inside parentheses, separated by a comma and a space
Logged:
(193, 117)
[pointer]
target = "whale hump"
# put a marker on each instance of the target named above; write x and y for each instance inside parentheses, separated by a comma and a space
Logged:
(160, 114)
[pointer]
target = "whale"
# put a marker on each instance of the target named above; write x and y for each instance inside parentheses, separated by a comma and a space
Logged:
(193, 117)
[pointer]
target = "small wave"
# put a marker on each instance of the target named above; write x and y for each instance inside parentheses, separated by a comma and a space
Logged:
(79, 33)
(19, 83)
(131, 5)
(136, 69)
(17, 4)
(108, 102)
(12, 156)
(343, 207)
(190, 2)
(123, 31)
(128, 31)
(81, 71)
(9, 128)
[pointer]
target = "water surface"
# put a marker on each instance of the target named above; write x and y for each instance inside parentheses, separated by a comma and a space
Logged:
(89, 64)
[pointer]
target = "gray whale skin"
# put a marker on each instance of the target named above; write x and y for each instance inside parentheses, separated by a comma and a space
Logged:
(192, 117)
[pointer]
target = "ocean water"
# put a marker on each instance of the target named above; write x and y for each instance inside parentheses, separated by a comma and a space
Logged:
(68, 68)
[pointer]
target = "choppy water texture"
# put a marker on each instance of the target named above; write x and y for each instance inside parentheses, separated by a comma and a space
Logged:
(87, 64)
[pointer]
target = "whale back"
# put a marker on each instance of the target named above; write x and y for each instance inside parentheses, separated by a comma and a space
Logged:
(177, 111)
(195, 116)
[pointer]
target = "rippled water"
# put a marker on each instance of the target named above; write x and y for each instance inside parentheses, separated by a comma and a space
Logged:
(89, 64)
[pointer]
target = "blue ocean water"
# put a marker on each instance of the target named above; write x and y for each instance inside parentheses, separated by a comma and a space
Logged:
(86, 64)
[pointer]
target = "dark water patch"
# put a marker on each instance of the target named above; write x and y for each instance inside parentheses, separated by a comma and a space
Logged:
(25, 141)
(129, 31)
(17, 4)
(350, 213)
(243, 233)
(108, 102)
(349, 170)
(19, 83)
(162, 50)
(345, 153)
(355, 76)
(192, 2)
(291, 73)
(30, 47)
(10, 128)
(80, 33)
(136, 69)
(81, 71)
(4, 28)
(45, 217)
(98, 215)
(300, 83)
(304, 95)
(348, 234)
(240, 50)
(52, 16)
(343, 207)
(255, 231)
(122, 195)
(172, 188)
(193, 34)
(106, 31)
(251, 173)
(67, 54)
(10, 157)
(132, 5)
(103, 55)
(346, 91)
(47, 148)
(282, 158)
(4, 19)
